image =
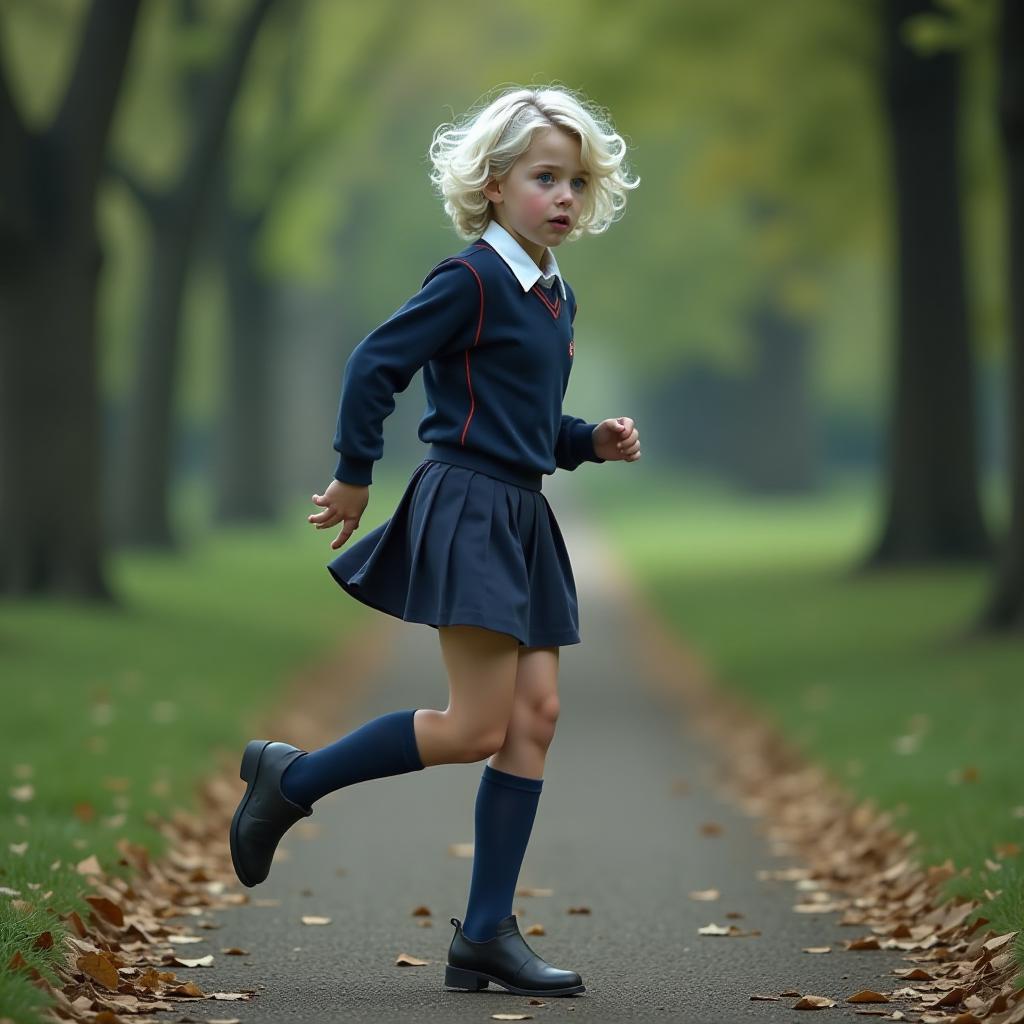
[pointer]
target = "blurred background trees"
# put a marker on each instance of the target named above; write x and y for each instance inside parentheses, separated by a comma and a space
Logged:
(812, 283)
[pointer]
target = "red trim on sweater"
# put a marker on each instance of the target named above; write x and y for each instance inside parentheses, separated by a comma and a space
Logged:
(554, 308)
(479, 326)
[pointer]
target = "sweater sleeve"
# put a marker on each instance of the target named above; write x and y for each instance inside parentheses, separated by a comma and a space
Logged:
(575, 443)
(443, 317)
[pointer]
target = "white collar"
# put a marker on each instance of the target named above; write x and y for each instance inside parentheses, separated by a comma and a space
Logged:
(520, 261)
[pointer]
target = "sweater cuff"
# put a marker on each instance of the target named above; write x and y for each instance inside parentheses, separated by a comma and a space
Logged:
(353, 470)
(581, 441)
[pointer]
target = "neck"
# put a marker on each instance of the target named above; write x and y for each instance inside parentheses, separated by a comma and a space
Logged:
(534, 251)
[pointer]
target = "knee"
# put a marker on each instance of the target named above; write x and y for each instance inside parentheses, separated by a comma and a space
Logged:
(545, 719)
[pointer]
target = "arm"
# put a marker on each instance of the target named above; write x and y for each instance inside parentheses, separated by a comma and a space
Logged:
(575, 443)
(443, 317)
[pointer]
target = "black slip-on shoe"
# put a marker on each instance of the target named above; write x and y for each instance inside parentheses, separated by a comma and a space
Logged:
(506, 960)
(264, 813)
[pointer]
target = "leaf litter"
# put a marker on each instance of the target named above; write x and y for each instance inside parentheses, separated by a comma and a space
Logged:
(855, 862)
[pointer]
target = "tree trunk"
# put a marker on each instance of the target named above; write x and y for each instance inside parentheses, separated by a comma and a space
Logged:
(145, 458)
(777, 453)
(933, 513)
(51, 541)
(245, 481)
(1004, 609)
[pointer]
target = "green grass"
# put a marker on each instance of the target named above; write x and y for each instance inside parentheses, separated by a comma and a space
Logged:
(122, 710)
(848, 666)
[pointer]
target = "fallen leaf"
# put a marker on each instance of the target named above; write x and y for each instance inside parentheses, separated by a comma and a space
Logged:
(717, 929)
(89, 866)
(813, 1003)
(460, 849)
(201, 961)
(313, 919)
(817, 949)
(98, 967)
(704, 894)
(951, 998)
(235, 951)
(107, 909)
(867, 995)
(527, 890)
(186, 988)
(408, 960)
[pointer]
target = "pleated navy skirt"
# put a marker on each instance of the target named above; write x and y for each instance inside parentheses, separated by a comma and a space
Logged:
(464, 547)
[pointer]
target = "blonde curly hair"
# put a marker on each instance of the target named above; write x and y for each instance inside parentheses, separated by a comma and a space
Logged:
(490, 138)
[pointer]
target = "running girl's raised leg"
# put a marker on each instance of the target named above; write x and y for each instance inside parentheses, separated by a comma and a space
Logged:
(481, 667)
(509, 792)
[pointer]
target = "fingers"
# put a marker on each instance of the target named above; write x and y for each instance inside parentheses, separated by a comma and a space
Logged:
(344, 535)
(630, 445)
(330, 517)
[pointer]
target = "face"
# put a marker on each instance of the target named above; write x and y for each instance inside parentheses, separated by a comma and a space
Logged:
(547, 181)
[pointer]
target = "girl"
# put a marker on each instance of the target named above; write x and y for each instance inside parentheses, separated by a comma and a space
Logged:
(473, 548)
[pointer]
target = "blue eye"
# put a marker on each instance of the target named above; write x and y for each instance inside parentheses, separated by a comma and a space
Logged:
(583, 181)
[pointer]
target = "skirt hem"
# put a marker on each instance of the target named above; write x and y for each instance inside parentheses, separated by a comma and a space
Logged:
(459, 618)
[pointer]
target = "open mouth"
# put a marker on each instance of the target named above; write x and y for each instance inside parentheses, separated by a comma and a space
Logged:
(560, 220)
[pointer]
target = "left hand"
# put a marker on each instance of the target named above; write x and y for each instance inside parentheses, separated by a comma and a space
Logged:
(617, 440)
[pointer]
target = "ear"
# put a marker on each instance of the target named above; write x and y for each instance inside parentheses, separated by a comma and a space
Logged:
(492, 190)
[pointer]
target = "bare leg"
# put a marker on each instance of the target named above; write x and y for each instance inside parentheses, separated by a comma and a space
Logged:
(534, 714)
(481, 666)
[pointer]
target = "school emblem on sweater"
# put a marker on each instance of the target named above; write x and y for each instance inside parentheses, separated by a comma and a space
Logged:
(572, 345)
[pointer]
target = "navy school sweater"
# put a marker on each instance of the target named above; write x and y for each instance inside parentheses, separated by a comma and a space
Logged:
(496, 361)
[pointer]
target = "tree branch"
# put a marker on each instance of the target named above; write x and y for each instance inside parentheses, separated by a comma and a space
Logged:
(223, 90)
(82, 124)
(386, 40)
(150, 200)
(12, 129)
(15, 140)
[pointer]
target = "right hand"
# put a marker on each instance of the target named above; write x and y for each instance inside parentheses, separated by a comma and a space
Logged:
(341, 502)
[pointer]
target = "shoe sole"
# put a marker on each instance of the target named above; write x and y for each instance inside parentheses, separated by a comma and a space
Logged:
(248, 773)
(459, 977)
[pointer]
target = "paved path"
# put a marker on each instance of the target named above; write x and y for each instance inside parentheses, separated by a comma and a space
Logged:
(609, 835)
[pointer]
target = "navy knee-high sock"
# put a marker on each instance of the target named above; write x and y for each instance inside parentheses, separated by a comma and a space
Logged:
(506, 806)
(382, 746)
